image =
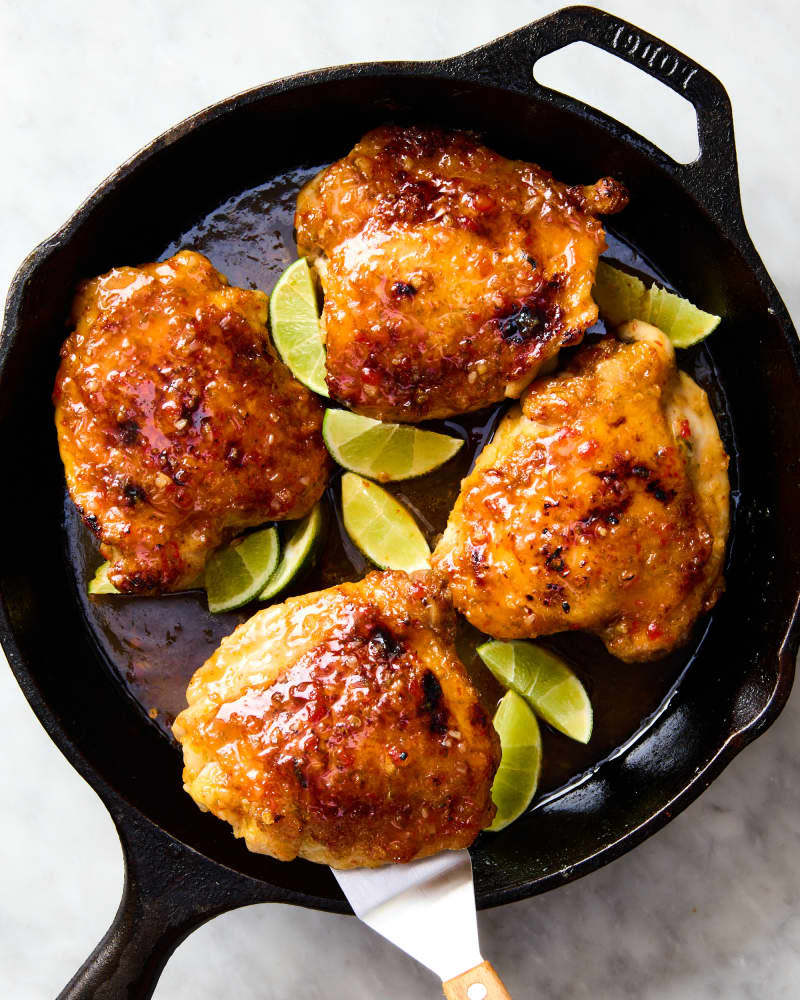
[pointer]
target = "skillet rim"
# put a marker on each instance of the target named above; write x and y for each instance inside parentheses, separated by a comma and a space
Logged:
(452, 69)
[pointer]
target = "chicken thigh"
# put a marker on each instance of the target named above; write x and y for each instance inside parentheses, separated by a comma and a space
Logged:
(450, 273)
(341, 727)
(177, 424)
(601, 504)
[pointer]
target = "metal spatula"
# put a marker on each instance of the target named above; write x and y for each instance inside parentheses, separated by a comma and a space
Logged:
(427, 908)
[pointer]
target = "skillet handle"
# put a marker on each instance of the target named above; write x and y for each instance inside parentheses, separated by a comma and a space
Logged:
(480, 982)
(713, 177)
(169, 891)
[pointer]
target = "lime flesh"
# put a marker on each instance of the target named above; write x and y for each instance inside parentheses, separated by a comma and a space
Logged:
(297, 554)
(518, 774)
(294, 323)
(545, 681)
(381, 527)
(384, 452)
(622, 297)
(239, 572)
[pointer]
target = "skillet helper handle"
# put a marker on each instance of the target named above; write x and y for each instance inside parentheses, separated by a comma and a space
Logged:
(169, 891)
(480, 983)
(713, 177)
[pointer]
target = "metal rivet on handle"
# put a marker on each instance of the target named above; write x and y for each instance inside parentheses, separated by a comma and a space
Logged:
(477, 992)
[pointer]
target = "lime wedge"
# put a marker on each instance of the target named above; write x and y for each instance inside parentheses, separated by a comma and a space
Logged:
(545, 681)
(619, 296)
(385, 452)
(381, 526)
(297, 555)
(239, 572)
(622, 297)
(682, 322)
(294, 322)
(518, 775)
(100, 583)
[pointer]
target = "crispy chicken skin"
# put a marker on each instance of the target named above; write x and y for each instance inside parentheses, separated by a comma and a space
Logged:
(341, 727)
(177, 424)
(450, 273)
(602, 504)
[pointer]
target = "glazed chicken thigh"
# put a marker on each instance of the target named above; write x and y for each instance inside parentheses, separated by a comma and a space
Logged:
(177, 424)
(450, 273)
(341, 727)
(601, 504)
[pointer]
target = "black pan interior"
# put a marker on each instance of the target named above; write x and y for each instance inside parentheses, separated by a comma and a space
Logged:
(733, 671)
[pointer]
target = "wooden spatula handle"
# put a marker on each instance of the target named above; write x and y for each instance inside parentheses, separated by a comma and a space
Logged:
(480, 983)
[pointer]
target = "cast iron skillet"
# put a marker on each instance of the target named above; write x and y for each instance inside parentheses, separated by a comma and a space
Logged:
(181, 868)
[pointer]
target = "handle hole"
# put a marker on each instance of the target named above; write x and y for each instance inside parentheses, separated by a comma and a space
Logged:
(477, 991)
(624, 92)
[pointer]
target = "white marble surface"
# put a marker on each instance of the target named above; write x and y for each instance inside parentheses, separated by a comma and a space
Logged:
(708, 907)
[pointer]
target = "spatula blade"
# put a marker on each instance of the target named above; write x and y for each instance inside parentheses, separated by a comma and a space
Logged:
(426, 908)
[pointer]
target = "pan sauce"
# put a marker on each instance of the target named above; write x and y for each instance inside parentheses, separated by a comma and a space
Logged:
(154, 645)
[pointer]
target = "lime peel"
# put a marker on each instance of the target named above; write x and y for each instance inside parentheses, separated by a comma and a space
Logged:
(622, 297)
(384, 452)
(548, 685)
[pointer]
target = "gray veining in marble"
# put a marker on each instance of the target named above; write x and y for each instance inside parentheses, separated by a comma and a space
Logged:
(707, 908)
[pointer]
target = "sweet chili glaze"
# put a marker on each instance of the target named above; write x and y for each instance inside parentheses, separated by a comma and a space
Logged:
(341, 726)
(177, 423)
(450, 273)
